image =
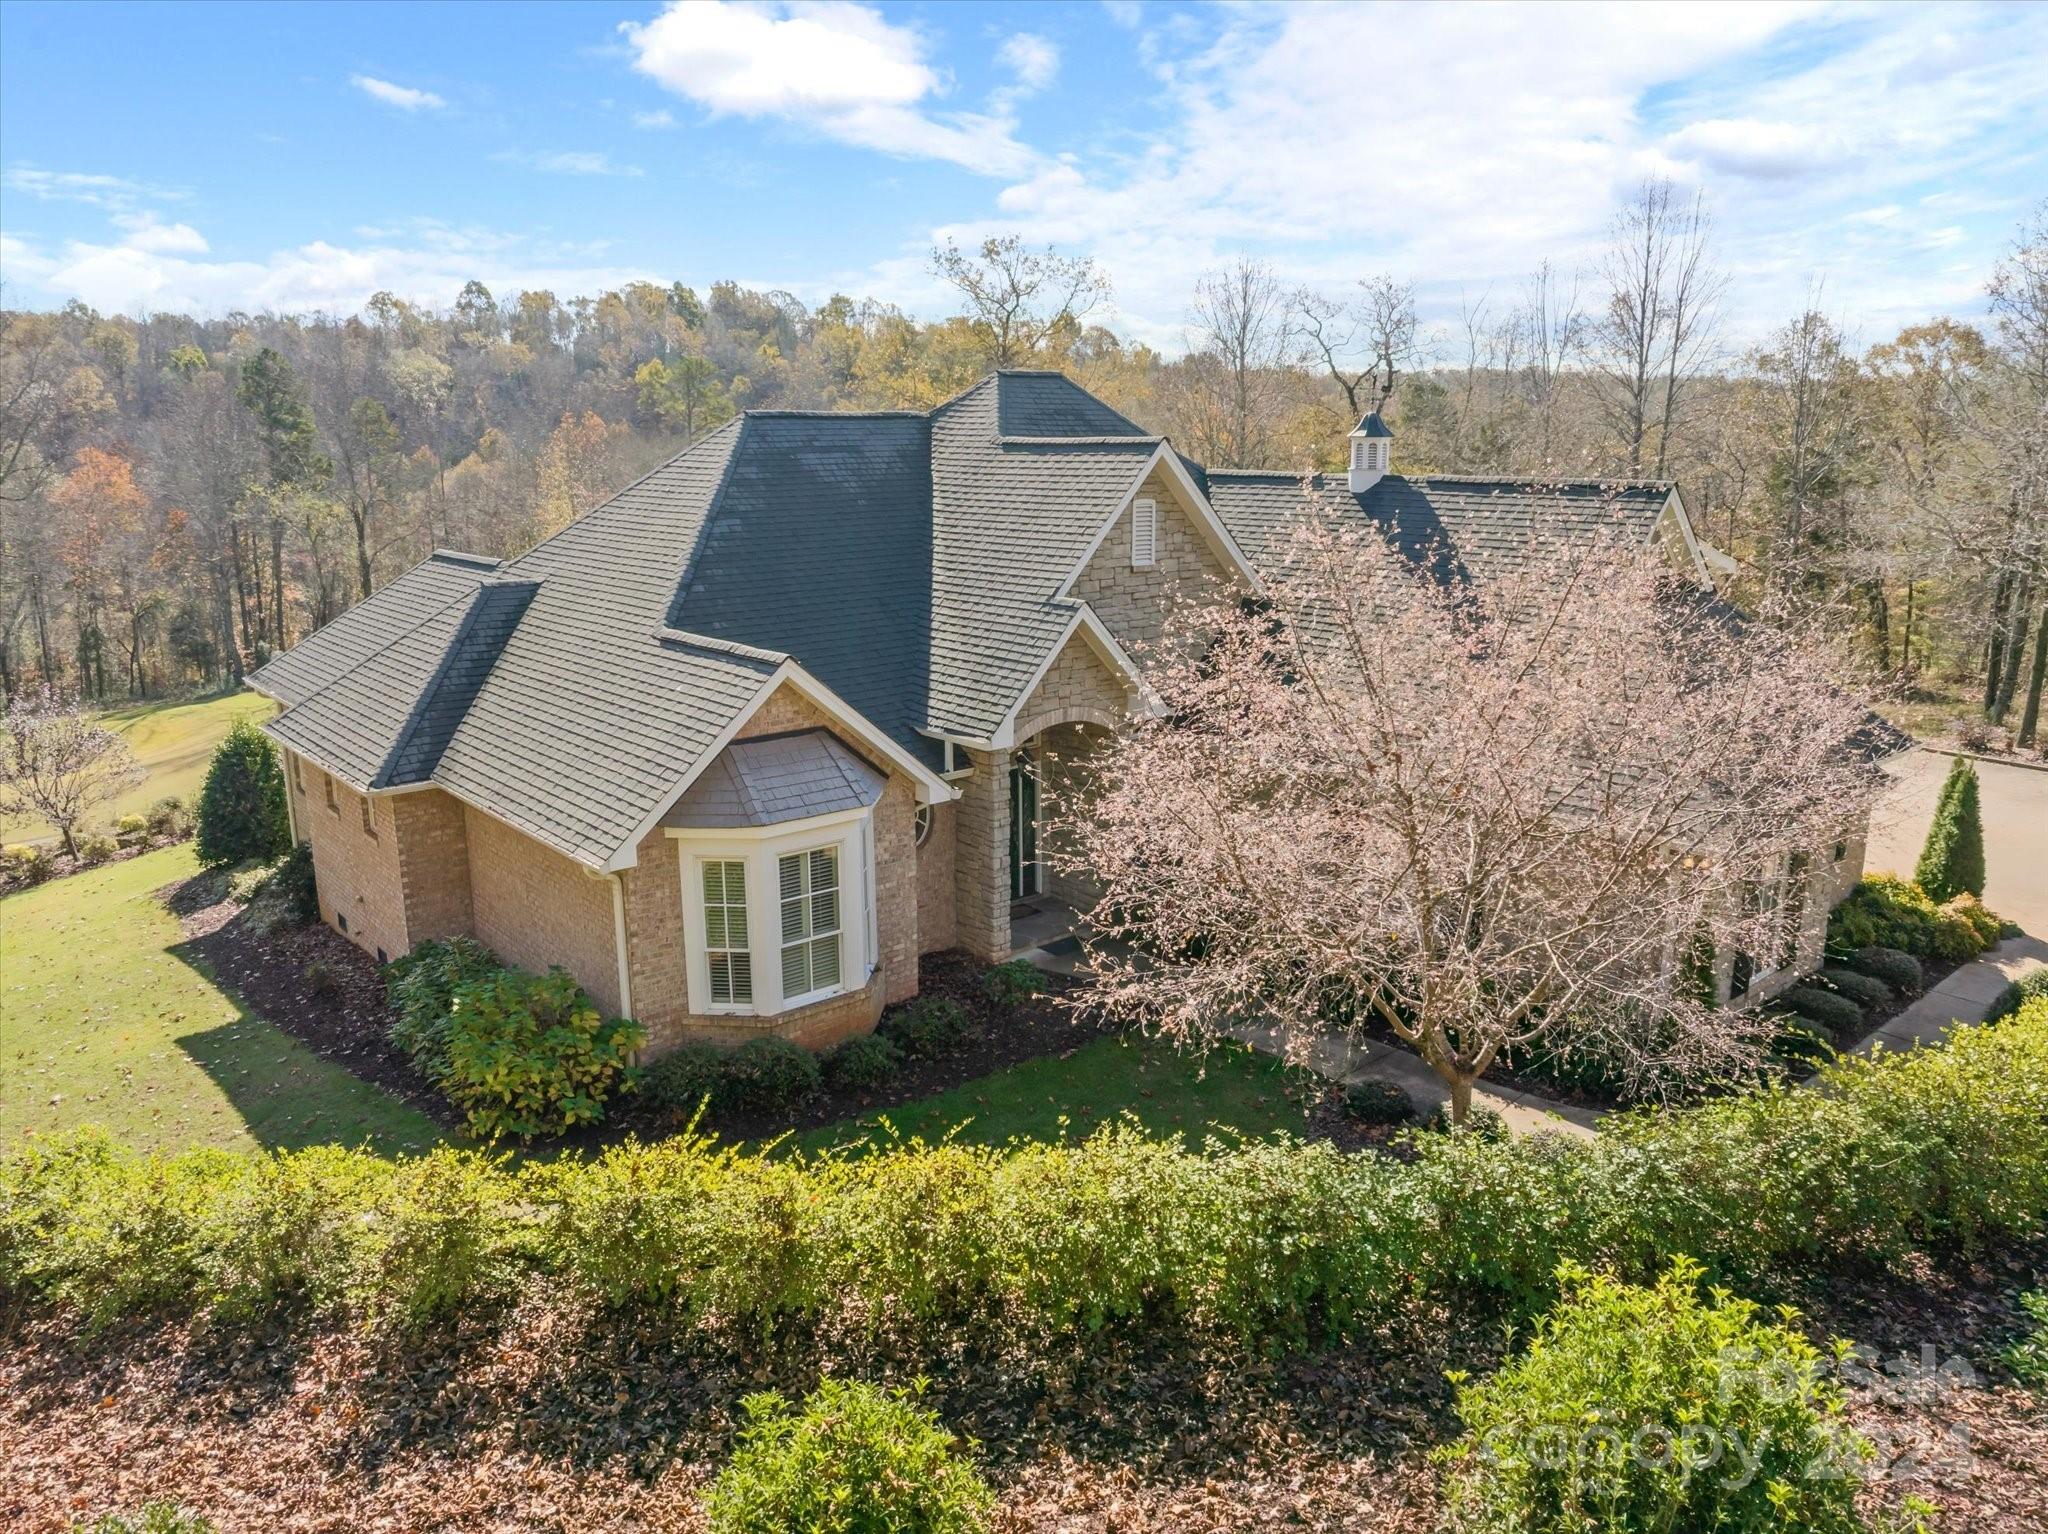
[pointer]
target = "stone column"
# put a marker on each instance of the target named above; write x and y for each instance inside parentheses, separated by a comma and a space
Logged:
(981, 857)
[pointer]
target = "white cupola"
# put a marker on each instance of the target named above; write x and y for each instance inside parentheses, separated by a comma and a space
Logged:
(1372, 443)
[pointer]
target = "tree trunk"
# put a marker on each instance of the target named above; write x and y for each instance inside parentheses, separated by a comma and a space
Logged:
(277, 582)
(1461, 1099)
(2031, 716)
(362, 522)
(2015, 645)
(1994, 658)
(1906, 642)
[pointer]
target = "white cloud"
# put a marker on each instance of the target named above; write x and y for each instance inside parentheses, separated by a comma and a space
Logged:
(429, 266)
(95, 190)
(145, 232)
(663, 118)
(404, 97)
(833, 67)
(571, 162)
(1032, 59)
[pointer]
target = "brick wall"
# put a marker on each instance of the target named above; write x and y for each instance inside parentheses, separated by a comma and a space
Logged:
(655, 924)
(936, 918)
(358, 874)
(433, 860)
(1133, 604)
(535, 907)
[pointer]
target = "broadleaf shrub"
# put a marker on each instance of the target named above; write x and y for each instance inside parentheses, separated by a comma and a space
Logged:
(531, 1054)
(1378, 1102)
(930, 1025)
(1864, 990)
(2030, 986)
(1648, 1408)
(854, 1459)
(242, 816)
(1839, 1015)
(27, 865)
(867, 1061)
(688, 1077)
(154, 1518)
(1896, 913)
(1268, 1244)
(1012, 983)
(422, 986)
(169, 820)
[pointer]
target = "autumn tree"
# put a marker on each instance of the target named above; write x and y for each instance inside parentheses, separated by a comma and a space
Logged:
(57, 765)
(1236, 376)
(1020, 298)
(270, 391)
(1481, 817)
(1364, 343)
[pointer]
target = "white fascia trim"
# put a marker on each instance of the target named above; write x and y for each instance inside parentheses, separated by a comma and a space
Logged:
(1674, 507)
(1205, 519)
(1104, 644)
(931, 788)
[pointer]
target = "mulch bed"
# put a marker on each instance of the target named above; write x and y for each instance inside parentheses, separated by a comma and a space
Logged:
(548, 1417)
(309, 981)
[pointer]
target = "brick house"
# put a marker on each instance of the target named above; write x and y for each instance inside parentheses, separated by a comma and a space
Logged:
(741, 744)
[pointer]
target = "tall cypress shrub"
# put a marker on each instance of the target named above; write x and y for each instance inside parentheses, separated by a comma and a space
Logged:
(1952, 862)
(241, 810)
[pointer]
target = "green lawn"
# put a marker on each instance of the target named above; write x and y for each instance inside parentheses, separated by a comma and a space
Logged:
(173, 742)
(103, 1021)
(1229, 1091)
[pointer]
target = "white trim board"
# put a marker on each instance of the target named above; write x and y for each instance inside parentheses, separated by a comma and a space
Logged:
(1203, 514)
(1107, 650)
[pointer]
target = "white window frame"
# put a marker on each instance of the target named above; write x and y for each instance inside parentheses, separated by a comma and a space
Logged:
(1144, 533)
(849, 836)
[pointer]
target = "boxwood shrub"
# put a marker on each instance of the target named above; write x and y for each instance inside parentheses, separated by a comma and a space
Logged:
(769, 1074)
(930, 1025)
(1378, 1102)
(688, 1077)
(2033, 984)
(864, 1062)
(1900, 971)
(1865, 990)
(1839, 1015)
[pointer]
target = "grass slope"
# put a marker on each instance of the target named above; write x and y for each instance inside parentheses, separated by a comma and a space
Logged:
(102, 1021)
(1229, 1091)
(173, 742)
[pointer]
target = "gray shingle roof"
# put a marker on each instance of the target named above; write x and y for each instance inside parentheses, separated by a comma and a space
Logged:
(909, 560)
(1469, 527)
(775, 778)
(1370, 425)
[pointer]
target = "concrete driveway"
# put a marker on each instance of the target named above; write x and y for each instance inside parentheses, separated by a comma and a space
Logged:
(2015, 801)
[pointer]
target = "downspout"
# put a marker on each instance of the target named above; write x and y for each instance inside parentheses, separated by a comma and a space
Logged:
(618, 881)
(291, 813)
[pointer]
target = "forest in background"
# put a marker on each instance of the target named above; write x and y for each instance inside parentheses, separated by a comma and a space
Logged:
(181, 497)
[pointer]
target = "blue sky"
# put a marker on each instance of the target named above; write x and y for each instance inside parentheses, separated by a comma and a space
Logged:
(215, 157)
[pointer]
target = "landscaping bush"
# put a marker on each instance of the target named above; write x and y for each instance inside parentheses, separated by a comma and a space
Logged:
(131, 830)
(322, 979)
(296, 886)
(27, 866)
(1952, 860)
(242, 814)
(1641, 1408)
(280, 894)
(1984, 924)
(169, 820)
(155, 1518)
(1894, 913)
(2027, 1354)
(1802, 1048)
(687, 1078)
(930, 1025)
(1838, 1015)
(854, 1460)
(422, 986)
(95, 848)
(863, 1062)
(1481, 1123)
(531, 1054)
(1900, 971)
(2034, 983)
(1264, 1245)
(1013, 983)
(1378, 1102)
(771, 1075)
(1865, 990)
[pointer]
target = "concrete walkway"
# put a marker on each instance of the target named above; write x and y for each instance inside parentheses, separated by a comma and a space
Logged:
(1964, 997)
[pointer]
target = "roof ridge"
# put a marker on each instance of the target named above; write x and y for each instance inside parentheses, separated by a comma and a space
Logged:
(457, 557)
(711, 501)
(777, 412)
(667, 634)
(423, 705)
(1097, 441)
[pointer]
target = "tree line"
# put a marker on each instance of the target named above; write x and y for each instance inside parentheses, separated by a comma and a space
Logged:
(180, 497)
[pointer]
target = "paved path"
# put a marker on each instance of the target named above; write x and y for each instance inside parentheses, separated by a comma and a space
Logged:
(2015, 801)
(1964, 997)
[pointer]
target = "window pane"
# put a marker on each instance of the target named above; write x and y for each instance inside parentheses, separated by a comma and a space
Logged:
(791, 871)
(824, 962)
(714, 926)
(714, 883)
(796, 974)
(742, 977)
(793, 920)
(824, 870)
(825, 911)
(721, 977)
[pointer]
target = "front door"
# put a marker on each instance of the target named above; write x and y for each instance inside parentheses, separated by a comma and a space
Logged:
(1023, 829)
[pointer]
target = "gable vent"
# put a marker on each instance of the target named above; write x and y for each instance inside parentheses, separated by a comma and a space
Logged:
(1144, 534)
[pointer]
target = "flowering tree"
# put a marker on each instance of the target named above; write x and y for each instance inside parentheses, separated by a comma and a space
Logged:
(1481, 814)
(57, 764)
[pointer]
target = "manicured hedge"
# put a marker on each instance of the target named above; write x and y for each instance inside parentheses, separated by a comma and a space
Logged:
(1273, 1244)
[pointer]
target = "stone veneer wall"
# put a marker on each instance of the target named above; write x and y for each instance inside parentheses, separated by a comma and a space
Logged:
(655, 926)
(1133, 604)
(358, 874)
(981, 857)
(535, 907)
(1828, 881)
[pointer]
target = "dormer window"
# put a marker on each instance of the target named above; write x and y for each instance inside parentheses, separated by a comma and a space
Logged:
(1144, 534)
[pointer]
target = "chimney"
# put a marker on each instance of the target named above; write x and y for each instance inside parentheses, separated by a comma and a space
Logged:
(1372, 442)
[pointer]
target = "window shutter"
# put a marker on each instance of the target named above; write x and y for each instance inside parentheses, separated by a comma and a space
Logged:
(1144, 534)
